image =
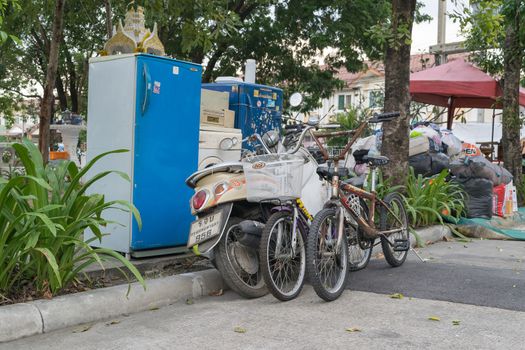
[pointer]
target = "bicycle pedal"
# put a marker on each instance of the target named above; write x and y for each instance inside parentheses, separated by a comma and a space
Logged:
(401, 245)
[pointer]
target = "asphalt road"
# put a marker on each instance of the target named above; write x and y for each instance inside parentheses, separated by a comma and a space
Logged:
(487, 273)
(482, 273)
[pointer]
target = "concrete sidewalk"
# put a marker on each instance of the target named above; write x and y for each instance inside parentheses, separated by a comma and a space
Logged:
(357, 320)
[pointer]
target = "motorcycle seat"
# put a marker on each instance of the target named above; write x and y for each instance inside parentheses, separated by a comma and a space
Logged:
(328, 173)
(376, 161)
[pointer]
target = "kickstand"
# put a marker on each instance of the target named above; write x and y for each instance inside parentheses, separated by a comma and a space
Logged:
(419, 256)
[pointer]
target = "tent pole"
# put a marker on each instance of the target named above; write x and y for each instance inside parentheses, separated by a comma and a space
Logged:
(450, 113)
(492, 137)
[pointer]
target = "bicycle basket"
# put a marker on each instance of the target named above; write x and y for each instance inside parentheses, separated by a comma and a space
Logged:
(272, 176)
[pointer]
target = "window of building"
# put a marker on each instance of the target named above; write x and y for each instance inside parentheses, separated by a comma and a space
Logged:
(344, 101)
(375, 98)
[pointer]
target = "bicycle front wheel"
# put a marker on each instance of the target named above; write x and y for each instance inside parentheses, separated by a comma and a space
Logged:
(326, 263)
(283, 263)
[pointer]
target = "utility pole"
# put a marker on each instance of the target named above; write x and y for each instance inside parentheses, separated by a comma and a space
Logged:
(442, 49)
(441, 57)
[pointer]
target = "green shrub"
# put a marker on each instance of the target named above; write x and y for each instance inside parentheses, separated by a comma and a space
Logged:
(428, 200)
(43, 215)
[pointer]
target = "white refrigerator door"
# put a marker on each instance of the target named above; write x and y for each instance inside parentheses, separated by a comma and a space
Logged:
(111, 124)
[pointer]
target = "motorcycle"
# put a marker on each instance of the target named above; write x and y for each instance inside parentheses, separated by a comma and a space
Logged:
(228, 228)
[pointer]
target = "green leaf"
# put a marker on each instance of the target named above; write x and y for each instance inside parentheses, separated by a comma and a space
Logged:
(434, 318)
(239, 329)
(52, 263)
(353, 330)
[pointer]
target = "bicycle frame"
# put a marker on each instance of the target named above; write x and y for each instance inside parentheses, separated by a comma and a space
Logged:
(301, 217)
(340, 190)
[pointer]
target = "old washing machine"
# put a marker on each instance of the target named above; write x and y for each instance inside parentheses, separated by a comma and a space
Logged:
(218, 144)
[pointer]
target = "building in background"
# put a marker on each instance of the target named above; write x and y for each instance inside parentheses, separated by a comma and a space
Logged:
(365, 90)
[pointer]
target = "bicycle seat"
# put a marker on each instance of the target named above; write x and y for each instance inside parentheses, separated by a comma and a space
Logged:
(376, 160)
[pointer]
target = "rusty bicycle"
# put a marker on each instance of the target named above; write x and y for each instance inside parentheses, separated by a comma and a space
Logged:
(327, 242)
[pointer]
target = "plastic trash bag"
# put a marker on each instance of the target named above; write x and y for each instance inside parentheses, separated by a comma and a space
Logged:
(479, 197)
(440, 161)
(453, 144)
(422, 164)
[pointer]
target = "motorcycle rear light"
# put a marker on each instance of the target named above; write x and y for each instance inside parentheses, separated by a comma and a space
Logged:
(220, 189)
(199, 199)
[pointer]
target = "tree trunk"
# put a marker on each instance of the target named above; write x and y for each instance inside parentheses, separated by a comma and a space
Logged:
(513, 57)
(71, 69)
(397, 96)
(109, 21)
(62, 97)
(46, 108)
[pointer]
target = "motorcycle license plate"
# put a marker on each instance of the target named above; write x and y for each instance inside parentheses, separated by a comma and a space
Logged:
(205, 228)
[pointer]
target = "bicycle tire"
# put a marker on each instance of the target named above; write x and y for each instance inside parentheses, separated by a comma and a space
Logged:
(283, 265)
(312, 257)
(394, 259)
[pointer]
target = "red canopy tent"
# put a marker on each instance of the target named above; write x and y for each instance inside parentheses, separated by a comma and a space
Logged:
(457, 84)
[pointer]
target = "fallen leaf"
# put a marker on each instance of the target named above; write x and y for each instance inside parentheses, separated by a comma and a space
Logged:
(396, 296)
(456, 323)
(499, 249)
(216, 293)
(353, 329)
(380, 256)
(83, 328)
(189, 301)
(434, 318)
(113, 322)
(154, 309)
(239, 329)
(513, 286)
(465, 246)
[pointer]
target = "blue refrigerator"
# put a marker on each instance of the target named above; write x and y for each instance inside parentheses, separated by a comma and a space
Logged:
(149, 105)
(258, 108)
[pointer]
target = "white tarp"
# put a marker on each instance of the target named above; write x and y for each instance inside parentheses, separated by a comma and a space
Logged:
(478, 132)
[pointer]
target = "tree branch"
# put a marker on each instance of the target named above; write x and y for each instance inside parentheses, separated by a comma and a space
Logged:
(21, 93)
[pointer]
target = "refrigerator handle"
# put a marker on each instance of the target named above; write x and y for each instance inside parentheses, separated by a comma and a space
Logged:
(147, 87)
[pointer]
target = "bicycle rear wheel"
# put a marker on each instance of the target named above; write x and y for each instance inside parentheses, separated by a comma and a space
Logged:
(359, 247)
(395, 218)
(326, 266)
(283, 269)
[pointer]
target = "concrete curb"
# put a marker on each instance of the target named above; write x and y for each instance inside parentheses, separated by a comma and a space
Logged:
(431, 234)
(42, 316)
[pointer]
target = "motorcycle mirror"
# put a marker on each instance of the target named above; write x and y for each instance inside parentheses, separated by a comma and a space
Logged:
(296, 99)
(313, 120)
(271, 138)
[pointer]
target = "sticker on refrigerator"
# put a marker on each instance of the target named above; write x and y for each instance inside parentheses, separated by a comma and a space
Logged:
(270, 103)
(259, 103)
(175, 70)
(255, 93)
(156, 87)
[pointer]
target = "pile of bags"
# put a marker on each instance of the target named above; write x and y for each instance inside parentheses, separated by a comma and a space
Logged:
(488, 186)
(431, 150)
